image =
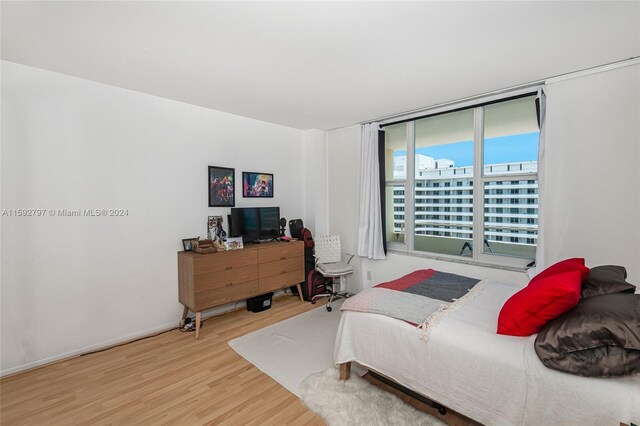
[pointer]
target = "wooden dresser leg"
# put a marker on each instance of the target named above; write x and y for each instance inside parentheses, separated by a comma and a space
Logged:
(185, 312)
(345, 371)
(198, 319)
(300, 292)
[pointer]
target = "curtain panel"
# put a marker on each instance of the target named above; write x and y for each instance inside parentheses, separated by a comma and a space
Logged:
(541, 110)
(370, 228)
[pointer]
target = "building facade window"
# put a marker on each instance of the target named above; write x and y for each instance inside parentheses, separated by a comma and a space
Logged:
(489, 153)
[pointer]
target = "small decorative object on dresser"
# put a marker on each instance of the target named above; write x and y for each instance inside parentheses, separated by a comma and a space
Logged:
(187, 243)
(221, 185)
(234, 243)
(204, 246)
(215, 231)
(257, 185)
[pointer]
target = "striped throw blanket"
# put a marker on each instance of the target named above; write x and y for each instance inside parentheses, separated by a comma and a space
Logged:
(415, 298)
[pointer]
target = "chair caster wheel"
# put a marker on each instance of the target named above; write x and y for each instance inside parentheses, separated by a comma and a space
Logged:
(329, 309)
(313, 302)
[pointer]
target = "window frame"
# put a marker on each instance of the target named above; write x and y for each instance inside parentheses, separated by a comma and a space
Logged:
(478, 185)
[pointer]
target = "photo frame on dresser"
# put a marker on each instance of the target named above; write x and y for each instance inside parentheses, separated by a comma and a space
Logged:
(189, 243)
(221, 186)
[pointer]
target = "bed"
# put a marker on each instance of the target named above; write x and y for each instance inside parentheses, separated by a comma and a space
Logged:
(493, 379)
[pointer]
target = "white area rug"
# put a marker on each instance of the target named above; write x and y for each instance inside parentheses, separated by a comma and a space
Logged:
(291, 350)
(358, 402)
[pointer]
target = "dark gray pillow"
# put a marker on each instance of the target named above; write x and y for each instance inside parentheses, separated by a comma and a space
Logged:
(600, 337)
(606, 279)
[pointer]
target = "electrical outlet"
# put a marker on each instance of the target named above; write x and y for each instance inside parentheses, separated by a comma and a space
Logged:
(368, 275)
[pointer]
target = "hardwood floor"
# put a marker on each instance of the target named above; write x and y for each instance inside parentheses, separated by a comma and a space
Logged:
(167, 379)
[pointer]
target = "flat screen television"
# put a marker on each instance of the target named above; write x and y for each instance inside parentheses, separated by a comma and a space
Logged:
(255, 223)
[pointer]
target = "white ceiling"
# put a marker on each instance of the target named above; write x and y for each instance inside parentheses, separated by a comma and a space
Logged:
(317, 64)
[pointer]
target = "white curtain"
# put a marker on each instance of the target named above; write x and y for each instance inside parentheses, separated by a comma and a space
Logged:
(370, 221)
(542, 118)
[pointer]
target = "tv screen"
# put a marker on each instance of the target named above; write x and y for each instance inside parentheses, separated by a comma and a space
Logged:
(269, 222)
(244, 223)
(255, 223)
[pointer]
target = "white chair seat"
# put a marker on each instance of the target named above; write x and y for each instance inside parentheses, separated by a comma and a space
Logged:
(334, 269)
(328, 254)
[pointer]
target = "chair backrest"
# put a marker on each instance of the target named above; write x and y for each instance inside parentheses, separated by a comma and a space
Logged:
(328, 249)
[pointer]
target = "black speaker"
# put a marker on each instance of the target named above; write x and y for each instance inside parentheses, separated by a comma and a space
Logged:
(283, 225)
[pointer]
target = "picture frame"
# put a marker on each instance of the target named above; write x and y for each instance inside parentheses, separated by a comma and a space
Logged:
(233, 243)
(215, 230)
(221, 186)
(187, 243)
(257, 185)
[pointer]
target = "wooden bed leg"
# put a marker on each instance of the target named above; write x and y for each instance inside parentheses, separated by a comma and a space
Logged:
(345, 371)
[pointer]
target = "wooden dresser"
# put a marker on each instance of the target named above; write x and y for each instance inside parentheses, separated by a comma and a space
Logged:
(209, 280)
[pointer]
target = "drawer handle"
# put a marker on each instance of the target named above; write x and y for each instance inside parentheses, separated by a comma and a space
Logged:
(283, 272)
(228, 284)
(283, 257)
(228, 268)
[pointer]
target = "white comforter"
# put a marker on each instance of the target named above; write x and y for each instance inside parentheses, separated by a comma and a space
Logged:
(491, 378)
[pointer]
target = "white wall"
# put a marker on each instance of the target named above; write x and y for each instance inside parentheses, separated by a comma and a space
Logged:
(315, 181)
(74, 283)
(593, 181)
(344, 193)
(592, 201)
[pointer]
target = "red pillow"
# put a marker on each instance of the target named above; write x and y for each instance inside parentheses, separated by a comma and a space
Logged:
(527, 311)
(573, 264)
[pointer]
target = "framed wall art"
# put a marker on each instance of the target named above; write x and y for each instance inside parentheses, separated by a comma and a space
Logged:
(257, 185)
(221, 187)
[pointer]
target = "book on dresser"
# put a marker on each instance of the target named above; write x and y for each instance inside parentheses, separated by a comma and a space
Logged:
(213, 279)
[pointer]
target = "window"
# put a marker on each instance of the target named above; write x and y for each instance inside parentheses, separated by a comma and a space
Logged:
(490, 150)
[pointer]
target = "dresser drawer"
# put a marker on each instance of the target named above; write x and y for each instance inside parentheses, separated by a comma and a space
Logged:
(279, 281)
(280, 267)
(224, 261)
(224, 279)
(281, 251)
(220, 296)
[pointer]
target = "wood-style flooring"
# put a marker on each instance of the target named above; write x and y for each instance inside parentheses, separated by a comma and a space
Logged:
(167, 379)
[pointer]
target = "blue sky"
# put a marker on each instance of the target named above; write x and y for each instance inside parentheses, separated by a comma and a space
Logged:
(505, 149)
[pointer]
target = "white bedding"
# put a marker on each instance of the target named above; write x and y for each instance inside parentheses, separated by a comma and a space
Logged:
(491, 378)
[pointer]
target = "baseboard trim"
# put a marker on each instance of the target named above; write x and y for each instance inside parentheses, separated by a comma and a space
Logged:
(108, 344)
(85, 350)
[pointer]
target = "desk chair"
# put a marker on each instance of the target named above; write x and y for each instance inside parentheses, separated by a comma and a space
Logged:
(328, 254)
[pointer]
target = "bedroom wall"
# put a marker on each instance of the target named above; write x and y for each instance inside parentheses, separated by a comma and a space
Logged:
(593, 181)
(592, 205)
(72, 284)
(343, 170)
(315, 181)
